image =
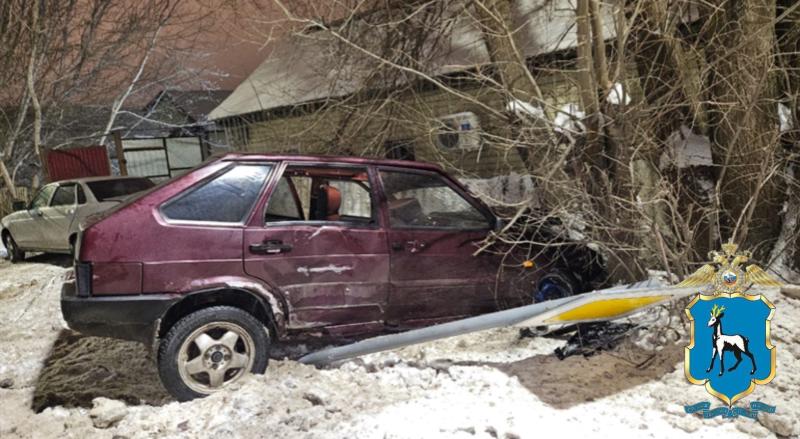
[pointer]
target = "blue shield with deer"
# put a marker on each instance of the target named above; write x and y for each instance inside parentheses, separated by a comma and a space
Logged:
(730, 350)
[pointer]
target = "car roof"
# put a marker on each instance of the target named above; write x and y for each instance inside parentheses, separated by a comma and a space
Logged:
(331, 159)
(94, 179)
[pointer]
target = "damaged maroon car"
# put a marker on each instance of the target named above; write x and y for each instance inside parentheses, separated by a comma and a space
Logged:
(214, 266)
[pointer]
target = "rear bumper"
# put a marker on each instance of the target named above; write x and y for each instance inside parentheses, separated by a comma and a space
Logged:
(132, 317)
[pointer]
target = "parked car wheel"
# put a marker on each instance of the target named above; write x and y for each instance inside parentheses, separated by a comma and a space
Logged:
(210, 349)
(14, 253)
(555, 285)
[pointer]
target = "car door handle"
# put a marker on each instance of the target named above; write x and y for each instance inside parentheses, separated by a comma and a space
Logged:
(270, 247)
(412, 246)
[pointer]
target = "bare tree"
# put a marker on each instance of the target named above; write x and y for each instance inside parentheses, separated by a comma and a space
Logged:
(675, 143)
(61, 57)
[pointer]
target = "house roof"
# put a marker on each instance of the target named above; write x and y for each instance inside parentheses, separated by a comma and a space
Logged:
(309, 67)
(197, 104)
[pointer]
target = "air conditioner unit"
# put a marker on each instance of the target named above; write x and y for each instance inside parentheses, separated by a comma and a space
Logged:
(458, 132)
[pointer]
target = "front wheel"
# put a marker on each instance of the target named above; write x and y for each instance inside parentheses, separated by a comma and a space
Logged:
(14, 253)
(210, 349)
(556, 285)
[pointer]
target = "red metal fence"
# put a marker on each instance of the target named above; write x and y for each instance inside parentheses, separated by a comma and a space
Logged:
(63, 164)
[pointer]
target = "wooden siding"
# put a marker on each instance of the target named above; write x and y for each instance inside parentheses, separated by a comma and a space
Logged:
(363, 129)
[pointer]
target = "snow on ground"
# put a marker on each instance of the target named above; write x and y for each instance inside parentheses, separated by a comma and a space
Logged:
(492, 384)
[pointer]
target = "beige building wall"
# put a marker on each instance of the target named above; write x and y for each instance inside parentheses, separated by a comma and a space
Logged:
(363, 129)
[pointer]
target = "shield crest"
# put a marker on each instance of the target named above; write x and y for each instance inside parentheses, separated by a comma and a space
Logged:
(730, 349)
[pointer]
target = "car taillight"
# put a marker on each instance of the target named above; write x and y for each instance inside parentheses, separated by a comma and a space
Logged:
(83, 278)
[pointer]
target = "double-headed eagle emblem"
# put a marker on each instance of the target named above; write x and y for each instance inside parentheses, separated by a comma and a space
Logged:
(746, 318)
(729, 272)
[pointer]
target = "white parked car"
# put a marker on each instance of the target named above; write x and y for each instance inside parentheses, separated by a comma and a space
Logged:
(50, 222)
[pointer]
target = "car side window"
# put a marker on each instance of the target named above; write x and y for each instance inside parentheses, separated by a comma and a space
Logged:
(64, 196)
(225, 198)
(317, 193)
(283, 205)
(426, 200)
(42, 197)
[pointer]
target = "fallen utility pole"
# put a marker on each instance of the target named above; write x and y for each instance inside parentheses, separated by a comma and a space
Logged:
(606, 304)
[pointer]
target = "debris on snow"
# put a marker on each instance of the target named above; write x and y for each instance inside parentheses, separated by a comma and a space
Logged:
(107, 412)
(687, 149)
(568, 119)
(618, 96)
(315, 397)
(525, 109)
(785, 117)
(592, 338)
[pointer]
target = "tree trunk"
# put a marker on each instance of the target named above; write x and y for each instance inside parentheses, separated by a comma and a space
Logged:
(671, 99)
(744, 124)
(30, 81)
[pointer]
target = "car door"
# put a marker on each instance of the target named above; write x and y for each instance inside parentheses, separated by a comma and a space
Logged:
(28, 230)
(56, 218)
(434, 230)
(319, 241)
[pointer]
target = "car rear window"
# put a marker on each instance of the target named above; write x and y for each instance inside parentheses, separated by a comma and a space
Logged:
(226, 198)
(108, 189)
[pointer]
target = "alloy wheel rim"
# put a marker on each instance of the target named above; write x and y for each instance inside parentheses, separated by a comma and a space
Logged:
(214, 356)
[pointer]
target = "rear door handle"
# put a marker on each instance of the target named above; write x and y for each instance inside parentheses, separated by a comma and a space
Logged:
(270, 247)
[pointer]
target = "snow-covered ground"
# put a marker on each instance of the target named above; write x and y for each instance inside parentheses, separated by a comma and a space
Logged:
(492, 384)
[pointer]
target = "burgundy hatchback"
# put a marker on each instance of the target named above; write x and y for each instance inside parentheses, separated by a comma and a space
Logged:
(211, 267)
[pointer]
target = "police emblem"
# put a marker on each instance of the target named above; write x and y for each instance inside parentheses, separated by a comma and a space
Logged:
(730, 351)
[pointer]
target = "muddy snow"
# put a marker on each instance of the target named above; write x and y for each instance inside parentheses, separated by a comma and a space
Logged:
(493, 384)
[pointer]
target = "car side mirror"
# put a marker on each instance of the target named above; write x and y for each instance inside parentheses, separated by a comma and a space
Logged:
(18, 205)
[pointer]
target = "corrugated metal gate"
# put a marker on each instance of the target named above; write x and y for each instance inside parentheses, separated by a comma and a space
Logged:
(162, 158)
(63, 164)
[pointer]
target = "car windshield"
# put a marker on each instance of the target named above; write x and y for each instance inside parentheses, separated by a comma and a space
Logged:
(109, 189)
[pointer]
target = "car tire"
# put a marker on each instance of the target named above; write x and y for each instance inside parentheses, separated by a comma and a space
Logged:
(556, 285)
(12, 249)
(210, 349)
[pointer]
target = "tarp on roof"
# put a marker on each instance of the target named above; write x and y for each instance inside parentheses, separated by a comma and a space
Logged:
(314, 66)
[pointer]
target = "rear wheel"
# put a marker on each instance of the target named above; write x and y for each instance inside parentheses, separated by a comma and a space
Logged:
(14, 253)
(210, 349)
